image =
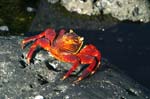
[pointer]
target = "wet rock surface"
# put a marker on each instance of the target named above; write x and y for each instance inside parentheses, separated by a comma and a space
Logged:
(135, 10)
(42, 77)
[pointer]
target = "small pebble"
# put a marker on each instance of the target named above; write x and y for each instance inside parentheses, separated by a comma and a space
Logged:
(30, 9)
(4, 28)
(66, 97)
(103, 29)
(52, 1)
(39, 97)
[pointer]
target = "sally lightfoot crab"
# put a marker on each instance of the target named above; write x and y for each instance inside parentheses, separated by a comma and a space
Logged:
(66, 47)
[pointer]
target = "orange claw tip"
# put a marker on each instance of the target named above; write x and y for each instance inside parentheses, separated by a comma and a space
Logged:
(22, 42)
(64, 77)
(22, 46)
(77, 81)
(80, 78)
(28, 60)
(92, 72)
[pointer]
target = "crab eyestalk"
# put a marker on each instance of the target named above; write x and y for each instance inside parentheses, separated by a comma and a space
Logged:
(71, 31)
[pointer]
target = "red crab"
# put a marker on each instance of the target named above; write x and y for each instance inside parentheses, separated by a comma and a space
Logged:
(66, 47)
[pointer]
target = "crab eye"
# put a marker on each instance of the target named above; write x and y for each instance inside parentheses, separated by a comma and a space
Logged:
(71, 31)
(81, 38)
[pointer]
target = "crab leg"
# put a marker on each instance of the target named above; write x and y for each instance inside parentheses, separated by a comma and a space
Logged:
(89, 55)
(74, 60)
(61, 32)
(42, 42)
(86, 59)
(97, 66)
(98, 58)
(97, 55)
(48, 33)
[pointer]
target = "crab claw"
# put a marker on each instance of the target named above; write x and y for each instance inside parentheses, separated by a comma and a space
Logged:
(28, 60)
(22, 44)
(63, 78)
(78, 80)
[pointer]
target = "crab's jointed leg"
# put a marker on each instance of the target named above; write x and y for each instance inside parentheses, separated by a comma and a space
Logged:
(48, 33)
(86, 59)
(89, 55)
(42, 42)
(72, 59)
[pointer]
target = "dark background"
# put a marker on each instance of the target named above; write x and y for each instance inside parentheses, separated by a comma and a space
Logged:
(127, 46)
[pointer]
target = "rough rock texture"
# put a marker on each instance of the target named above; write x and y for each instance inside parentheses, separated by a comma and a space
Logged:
(135, 10)
(42, 77)
(80, 6)
(56, 16)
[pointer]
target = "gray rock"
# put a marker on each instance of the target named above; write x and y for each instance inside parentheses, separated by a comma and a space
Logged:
(40, 79)
(30, 9)
(80, 6)
(53, 1)
(4, 28)
(57, 17)
(135, 10)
